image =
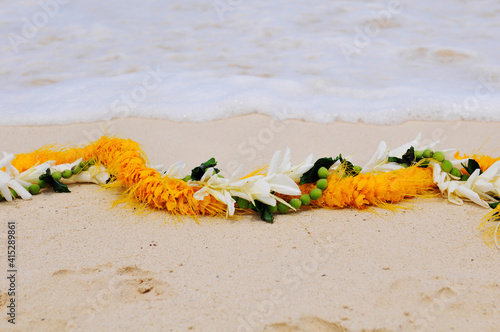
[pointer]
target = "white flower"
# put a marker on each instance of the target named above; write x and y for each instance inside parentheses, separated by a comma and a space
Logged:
(280, 178)
(176, 170)
(285, 167)
(279, 174)
(380, 163)
(479, 188)
(252, 188)
(8, 181)
(32, 174)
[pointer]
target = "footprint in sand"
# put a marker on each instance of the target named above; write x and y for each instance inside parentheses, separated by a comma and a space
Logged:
(129, 283)
(305, 324)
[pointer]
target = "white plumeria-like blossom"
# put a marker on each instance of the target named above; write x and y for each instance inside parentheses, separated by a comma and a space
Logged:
(176, 170)
(285, 166)
(280, 178)
(380, 163)
(479, 188)
(32, 174)
(8, 180)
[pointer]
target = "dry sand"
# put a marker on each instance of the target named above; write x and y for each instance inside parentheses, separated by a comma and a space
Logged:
(85, 267)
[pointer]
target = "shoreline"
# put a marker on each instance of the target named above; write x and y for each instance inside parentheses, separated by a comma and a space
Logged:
(85, 266)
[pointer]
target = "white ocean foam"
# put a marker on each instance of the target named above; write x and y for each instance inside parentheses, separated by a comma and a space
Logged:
(383, 62)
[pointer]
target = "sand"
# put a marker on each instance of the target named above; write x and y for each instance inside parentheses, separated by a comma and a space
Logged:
(83, 266)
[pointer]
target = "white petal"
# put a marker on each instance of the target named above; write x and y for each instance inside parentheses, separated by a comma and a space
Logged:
(241, 194)
(285, 164)
(20, 190)
(7, 158)
(32, 174)
(230, 203)
(200, 194)
(208, 174)
(282, 184)
(300, 169)
(378, 157)
(492, 171)
(274, 164)
(470, 194)
(236, 174)
(23, 183)
(266, 200)
(176, 170)
(400, 151)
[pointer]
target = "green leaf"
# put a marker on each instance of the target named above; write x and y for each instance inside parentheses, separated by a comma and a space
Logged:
(197, 172)
(311, 175)
(263, 209)
(267, 215)
(58, 187)
(407, 158)
(472, 165)
(493, 205)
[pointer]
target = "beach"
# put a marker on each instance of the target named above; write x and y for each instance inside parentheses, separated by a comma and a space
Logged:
(83, 265)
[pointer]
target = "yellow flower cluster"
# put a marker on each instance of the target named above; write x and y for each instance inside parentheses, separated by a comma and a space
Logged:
(374, 189)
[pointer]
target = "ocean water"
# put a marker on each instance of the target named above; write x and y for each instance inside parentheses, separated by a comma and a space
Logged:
(382, 62)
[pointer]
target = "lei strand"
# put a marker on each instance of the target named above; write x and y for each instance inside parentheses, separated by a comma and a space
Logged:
(389, 177)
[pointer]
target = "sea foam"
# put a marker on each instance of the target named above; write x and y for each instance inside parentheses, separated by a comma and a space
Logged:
(380, 62)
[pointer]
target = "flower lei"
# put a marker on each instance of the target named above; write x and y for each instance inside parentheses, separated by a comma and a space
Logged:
(389, 177)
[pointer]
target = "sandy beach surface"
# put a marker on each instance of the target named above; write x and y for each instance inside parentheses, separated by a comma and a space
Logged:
(83, 266)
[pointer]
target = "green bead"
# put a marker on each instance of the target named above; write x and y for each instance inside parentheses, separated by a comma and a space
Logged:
(43, 184)
(464, 177)
(295, 203)
(427, 153)
(273, 208)
(76, 169)
(323, 173)
(438, 156)
(34, 189)
(305, 199)
(84, 165)
(67, 173)
(243, 203)
(56, 176)
(456, 172)
(282, 208)
(446, 166)
(322, 184)
(13, 193)
(315, 193)
(418, 155)
(91, 162)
